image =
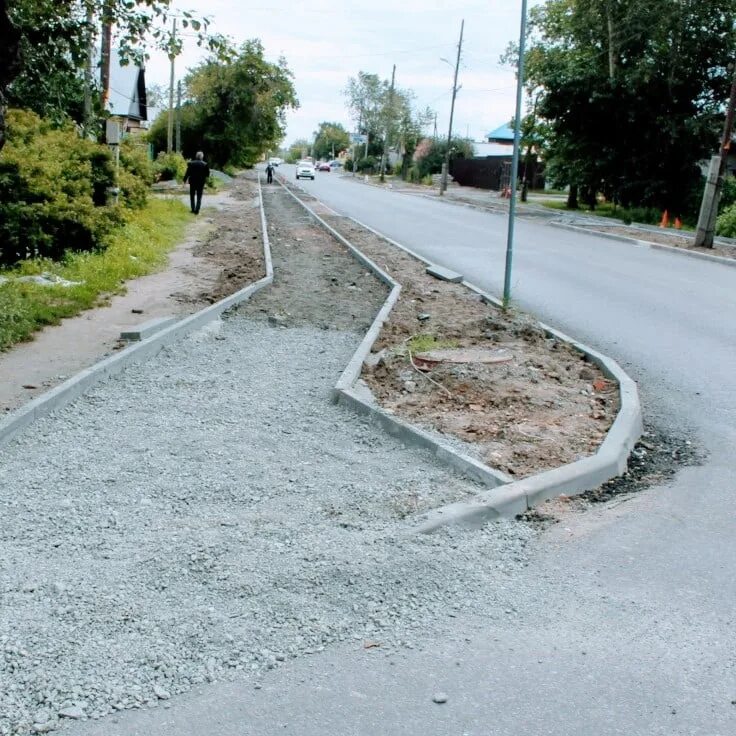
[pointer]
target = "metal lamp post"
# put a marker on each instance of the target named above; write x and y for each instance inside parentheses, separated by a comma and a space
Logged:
(515, 159)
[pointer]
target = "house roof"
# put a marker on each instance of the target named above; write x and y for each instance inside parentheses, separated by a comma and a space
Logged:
(502, 133)
(127, 89)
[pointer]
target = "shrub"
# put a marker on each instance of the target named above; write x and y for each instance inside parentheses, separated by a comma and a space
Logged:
(170, 167)
(134, 158)
(52, 186)
(367, 164)
(726, 222)
(348, 165)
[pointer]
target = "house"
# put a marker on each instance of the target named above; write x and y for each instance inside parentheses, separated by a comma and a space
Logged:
(126, 98)
(503, 135)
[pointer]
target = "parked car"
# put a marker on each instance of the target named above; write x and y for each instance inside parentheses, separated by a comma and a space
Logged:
(335, 164)
(305, 170)
(275, 161)
(323, 166)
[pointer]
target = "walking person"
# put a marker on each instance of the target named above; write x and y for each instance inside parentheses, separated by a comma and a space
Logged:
(197, 173)
(269, 173)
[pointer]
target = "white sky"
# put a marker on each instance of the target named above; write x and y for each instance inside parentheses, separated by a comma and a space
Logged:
(325, 43)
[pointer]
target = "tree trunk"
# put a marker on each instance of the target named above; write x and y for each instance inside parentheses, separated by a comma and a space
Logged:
(572, 197)
(9, 60)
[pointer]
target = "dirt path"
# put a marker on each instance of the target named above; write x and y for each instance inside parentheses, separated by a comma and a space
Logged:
(221, 253)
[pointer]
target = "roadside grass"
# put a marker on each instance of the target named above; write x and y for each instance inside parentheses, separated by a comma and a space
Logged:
(425, 342)
(138, 248)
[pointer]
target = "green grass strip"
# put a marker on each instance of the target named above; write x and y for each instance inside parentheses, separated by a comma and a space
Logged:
(138, 248)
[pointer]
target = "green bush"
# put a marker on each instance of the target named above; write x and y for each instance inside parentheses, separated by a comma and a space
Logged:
(348, 165)
(52, 188)
(134, 158)
(367, 164)
(170, 167)
(726, 222)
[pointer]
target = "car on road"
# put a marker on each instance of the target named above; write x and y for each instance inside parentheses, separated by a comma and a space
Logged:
(305, 170)
(275, 161)
(335, 164)
(323, 166)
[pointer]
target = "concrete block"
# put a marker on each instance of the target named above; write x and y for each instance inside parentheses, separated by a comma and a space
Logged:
(444, 274)
(141, 332)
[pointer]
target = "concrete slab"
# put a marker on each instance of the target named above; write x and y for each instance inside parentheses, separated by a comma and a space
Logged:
(444, 274)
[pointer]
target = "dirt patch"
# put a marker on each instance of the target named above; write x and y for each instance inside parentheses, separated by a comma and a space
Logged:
(546, 407)
(221, 253)
(316, 281)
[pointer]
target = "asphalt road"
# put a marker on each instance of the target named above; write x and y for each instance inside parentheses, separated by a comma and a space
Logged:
(632, 629)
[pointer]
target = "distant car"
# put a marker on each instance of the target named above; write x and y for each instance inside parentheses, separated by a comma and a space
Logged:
(335, 164)
(305, 170)
(323, 166)
(274, 161)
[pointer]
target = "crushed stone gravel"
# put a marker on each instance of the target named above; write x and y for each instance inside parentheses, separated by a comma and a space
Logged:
(209, 515)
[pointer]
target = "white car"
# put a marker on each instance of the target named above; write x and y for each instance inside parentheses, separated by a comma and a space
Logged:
(275, 161)
(305, 170)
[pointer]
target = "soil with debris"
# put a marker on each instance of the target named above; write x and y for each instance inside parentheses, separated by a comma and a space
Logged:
(316, 282)
(546, 407)
(654, 461)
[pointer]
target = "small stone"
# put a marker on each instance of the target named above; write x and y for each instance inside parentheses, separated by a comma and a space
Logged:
(423, 317)
(71, 711)
(43, 727)
(161, 693)
(586, 374)
(439, 698)
(137, 311)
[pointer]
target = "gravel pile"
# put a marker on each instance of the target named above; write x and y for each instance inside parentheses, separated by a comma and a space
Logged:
(210, 514)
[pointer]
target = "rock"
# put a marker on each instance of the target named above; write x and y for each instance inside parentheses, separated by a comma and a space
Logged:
(277, 320)
(43, 727)
(586, 374)
(161, 693)
(423, 317)
(71, 711)
(439, 698)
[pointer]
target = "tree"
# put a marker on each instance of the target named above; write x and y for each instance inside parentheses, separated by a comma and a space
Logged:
(235, 109)
(297, 151)
(329, 140)
(45, 45)
(632, 93)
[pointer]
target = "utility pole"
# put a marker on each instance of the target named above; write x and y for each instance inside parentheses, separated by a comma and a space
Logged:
(389, 119)
(178, 117)
(88, 69)
(434, 135)
(446, 164)
(170, 128)
(714, 183)
(106, 51)
(515, 159)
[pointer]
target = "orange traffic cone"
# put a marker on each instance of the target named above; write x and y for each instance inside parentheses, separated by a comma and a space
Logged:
(665, 221)
(678, 223)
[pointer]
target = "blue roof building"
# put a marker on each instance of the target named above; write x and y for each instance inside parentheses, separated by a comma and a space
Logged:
(502, 134)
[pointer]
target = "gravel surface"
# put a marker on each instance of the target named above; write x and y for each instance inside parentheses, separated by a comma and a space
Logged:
(209, 514)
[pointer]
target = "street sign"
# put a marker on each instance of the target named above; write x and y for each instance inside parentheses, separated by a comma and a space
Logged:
(358, 138)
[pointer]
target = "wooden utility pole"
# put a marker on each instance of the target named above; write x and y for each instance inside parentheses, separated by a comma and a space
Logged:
(106, 50)
(446, 164)
(714, 183)
(389, 120)
(88, 66)
(170, 128)
(178, 117)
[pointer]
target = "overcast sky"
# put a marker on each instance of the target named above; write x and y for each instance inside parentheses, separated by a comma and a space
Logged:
(325, 43)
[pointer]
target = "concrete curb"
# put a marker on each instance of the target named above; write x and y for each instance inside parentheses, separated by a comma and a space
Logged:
(731, 262)
(344, 391)
(518, 496)
(66, 392)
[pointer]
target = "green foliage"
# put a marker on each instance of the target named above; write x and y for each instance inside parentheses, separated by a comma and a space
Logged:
(631, 94)
(297, 151)
(728, 193)
(170, 167)
(135, 249)
(134, 157)
(348, 165)
(236, 108)
(425, 342)
(726, 222)
(367, 165)
(430, 154)
(329, 140)
(53, 190)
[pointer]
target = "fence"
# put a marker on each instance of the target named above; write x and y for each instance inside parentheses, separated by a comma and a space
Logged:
(493, 172)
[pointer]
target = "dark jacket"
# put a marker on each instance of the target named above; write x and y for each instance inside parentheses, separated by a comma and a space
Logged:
(197, 173)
